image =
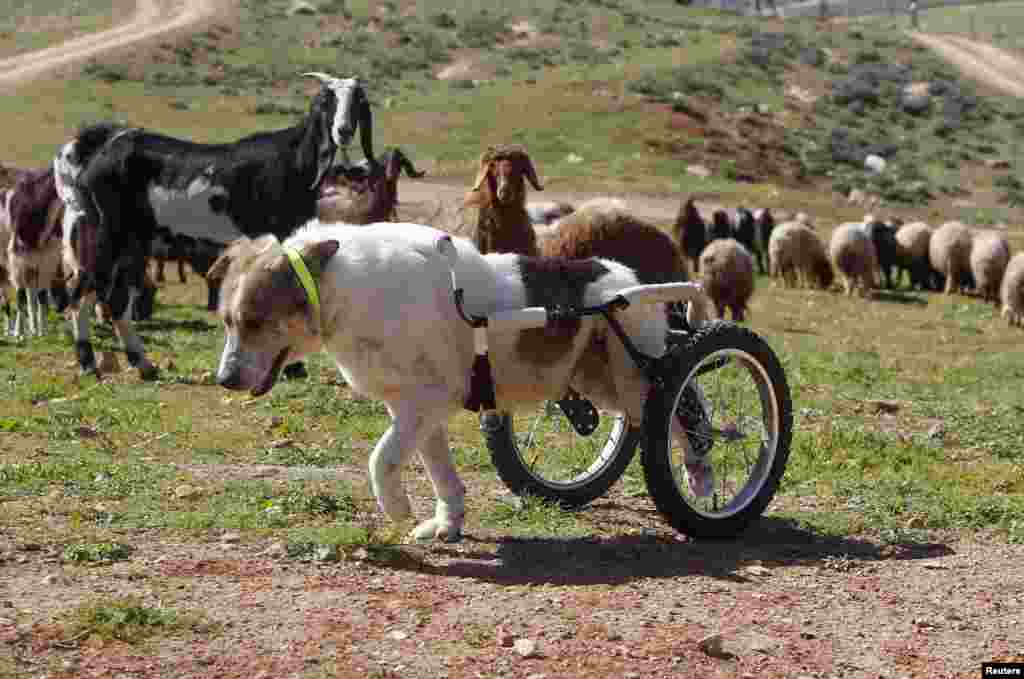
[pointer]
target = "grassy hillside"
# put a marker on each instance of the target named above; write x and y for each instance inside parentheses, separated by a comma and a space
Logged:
(617, 95)
(27, 26)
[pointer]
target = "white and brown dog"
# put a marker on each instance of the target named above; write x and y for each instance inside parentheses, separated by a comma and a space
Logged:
(388, 318)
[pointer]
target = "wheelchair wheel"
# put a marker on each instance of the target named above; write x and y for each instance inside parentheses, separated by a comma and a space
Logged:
(539, 453)
(718, 432)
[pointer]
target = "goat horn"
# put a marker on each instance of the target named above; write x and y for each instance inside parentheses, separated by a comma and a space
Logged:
(322, 77)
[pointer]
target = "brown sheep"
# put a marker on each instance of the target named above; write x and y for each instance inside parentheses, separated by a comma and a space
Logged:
(503, 225)
(797, 255)
(604, 227)
(728, 276)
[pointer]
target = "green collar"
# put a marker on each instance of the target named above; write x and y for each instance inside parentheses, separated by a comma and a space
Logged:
(306, 278)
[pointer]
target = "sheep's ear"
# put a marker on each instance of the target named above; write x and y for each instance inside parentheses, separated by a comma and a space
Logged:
(481, 176)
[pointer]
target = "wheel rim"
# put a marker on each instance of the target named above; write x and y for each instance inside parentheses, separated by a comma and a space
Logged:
(740, 431)
(555, 455)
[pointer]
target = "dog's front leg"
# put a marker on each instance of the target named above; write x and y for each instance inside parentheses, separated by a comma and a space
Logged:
(450, 508)
(390, 453)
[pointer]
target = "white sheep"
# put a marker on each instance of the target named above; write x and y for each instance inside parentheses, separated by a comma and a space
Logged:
(853, 254)
(949, 252)
(1012, 291)
(913, 240)
(727, 272)
(990, 253)
(797, 254)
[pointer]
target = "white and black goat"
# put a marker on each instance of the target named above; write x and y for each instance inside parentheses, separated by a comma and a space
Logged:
(122, 184)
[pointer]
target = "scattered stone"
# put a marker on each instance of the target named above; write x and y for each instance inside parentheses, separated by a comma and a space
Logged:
(712, 646)
(997, 164)
(302, 7)
(884, 406)
(186, 492)
(574, 159)
(282, 443)
(526, 648)
(757, 570)
(875, 163)
(398, 635)
(276, 550)
(85, 432)
(6, 621)
(937, 432)
(698, 171)
(54, 579)
(231, 538)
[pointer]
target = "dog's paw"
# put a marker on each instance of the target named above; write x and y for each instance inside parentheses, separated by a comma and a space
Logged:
(436, 529)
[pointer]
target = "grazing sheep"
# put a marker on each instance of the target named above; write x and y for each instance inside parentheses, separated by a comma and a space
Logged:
(373, 191)
(691, 232)
(912, 255)
(949, 252)
(34, 250)
(990, 253)
(547, 212)
(604, 227)
(797, 255)
(764, 224)
(728, 276)
(1012, 291)
(883, 236)
(503, 225)
(853, 254)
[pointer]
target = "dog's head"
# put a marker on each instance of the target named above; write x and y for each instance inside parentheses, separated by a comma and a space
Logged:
(269, 319)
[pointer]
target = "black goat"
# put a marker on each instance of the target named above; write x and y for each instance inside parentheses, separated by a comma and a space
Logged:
(721, 225)
(745, 229)
(691, 232)
(887, 248)
(122, 184)
(763, 226)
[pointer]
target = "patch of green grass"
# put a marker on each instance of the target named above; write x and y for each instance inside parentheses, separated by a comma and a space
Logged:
(97, 552)
(341, 541)
(128, 619)
(533, 517)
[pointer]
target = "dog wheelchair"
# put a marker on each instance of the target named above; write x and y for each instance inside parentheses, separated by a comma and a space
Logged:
(716, 428)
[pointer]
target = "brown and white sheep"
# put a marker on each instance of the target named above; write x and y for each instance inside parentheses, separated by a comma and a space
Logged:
(499, 193)
(796, 254)
(727, 272)
(949, 252)
(990, 253)
(370, 198)
(1011, 292)
(852, 253)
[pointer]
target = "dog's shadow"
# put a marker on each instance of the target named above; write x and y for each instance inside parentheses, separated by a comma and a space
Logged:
(626, 558)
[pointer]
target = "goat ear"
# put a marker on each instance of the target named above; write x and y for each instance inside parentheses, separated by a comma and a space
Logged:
(366, 128)
(530, 172)
(325, 149)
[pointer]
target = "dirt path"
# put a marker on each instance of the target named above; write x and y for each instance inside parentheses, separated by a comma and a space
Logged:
(987, 63)
(151, 18)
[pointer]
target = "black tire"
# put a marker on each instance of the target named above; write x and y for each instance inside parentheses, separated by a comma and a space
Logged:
(549, 460)
(698, 367)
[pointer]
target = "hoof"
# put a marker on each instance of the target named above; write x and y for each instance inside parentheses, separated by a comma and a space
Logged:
(295, 371)
(91, 371)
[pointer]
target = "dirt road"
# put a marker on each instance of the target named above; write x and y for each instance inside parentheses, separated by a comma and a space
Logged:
(151, 18)
(981, 61)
